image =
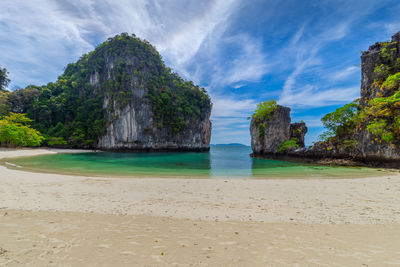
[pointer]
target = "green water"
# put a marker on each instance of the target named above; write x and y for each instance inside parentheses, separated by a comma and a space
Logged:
(220, 162)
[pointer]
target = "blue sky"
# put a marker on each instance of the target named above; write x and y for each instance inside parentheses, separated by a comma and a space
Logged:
(305, 54)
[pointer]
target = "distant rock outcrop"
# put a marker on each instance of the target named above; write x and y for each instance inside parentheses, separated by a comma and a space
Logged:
(298, 131)
(275, 134)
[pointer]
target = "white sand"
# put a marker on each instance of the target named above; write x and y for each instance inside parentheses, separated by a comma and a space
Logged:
(293, 208)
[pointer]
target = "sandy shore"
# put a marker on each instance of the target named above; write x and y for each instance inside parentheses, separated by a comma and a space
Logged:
(51, 219)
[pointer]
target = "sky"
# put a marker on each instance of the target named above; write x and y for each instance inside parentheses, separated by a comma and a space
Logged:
(304, 54)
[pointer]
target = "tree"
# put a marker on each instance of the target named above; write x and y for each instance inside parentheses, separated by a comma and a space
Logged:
(15, 131)
(340, 121)
(5, 106)
(4, 81)
(264, 109)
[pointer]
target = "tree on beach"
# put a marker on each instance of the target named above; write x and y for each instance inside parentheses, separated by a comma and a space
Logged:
(15, 130)
(4, 81)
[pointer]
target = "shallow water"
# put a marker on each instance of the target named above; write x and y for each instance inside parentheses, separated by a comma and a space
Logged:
(220, 162)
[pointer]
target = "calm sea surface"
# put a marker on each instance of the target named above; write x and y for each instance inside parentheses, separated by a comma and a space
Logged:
(221, 162)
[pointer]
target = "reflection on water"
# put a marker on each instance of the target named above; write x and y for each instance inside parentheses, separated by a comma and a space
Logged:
(221, 161)
(231, 161)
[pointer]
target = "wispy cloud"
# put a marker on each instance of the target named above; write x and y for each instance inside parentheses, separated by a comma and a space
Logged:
(249, 64)
(311, 96)
(343, 74)
(241, 58)
(49, 34)
(231, 113)
(392, 28)
(294, 94)
(230, 106)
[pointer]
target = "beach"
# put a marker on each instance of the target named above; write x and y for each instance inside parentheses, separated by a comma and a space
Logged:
(65, 220)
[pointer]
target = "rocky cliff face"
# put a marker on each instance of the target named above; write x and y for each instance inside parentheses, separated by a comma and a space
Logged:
(385, 55)
(379, 54)
(134, 128)
(268, 136)
(119, 96)
(375, 136)
(141, 98)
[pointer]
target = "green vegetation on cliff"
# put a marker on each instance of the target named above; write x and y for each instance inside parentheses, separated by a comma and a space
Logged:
(176, 102)
(379, 114)
(264, 109)
(70, 111)
(382, 117)
(291, 143)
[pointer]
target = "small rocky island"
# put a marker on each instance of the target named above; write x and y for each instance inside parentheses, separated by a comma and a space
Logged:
(272, 131)
(366, 131)
(120, 96)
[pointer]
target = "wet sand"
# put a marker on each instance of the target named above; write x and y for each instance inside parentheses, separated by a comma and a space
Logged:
(52, 219)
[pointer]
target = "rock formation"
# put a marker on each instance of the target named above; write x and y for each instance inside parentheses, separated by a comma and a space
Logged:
(134, 125)
(138, 123)
(120, 96)
(269, 135)
(374, 138)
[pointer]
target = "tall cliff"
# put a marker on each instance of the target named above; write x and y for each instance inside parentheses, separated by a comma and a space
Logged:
(153, 109)
(271, 131)
(119, 96)
(372, 133)
(379, 102)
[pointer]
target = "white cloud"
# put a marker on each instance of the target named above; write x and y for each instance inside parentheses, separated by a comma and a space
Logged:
(311, 96)
(49, 34)
(250, 64)
(392, 28)
(184, 43)
(343, 74)
(229, 117)
(232, 107)
(306, 56)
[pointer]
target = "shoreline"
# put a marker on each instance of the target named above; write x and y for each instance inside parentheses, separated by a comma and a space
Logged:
(265, 200)
(331, 160)
(52, 217)
(6, 157)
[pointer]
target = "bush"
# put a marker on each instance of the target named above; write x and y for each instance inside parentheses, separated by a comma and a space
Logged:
(341, 121)
(264, 109)
(15, 131)
(288, 144)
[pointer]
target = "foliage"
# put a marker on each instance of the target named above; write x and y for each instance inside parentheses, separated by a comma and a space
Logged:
(176, 102)
(56, 141)
(261, 131)
(264, 109)
(288, 144)
(350, 143)
(382, 117)
(15, 131)
(4, 80)
(381, 72)
(392, 81)
(379, 128)
(340, 121)
(71, 109)
(5, 106)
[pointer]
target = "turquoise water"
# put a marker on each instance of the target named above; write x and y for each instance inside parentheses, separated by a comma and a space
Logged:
(221, 162)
